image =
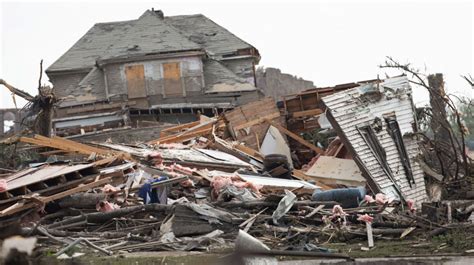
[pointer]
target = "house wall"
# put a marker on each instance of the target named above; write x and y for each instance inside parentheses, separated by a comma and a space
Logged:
(191, 77)
(242, 67)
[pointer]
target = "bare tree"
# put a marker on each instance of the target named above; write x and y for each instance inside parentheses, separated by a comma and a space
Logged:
(40, 106)
(449, 149)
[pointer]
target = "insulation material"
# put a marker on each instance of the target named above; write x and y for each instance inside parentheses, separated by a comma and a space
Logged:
(269, 182)
(274, 143)
(337, 171)
(367, 106)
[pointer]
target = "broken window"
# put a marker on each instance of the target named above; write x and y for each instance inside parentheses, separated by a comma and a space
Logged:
(394, 130)
(172, 80)
(370, 138)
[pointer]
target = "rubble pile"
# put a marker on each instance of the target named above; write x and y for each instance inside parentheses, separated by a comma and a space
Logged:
(231, 182)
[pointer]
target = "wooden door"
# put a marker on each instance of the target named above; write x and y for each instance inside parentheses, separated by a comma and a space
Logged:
(135, 81)
(172, 80)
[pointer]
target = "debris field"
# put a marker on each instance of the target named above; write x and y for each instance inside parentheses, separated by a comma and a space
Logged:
(245, 184)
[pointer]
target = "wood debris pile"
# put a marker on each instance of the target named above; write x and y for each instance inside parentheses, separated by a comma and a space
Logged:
(200, 183)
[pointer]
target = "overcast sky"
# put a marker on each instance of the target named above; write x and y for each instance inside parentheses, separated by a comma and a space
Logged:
(326, 42)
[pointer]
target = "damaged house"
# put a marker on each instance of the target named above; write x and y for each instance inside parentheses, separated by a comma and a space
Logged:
(154, 67)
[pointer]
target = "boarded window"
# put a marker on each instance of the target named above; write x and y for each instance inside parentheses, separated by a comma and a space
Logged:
(135, 81)
(172, 80)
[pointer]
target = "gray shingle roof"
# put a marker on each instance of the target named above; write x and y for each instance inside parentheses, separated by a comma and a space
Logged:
(219, 78)
(147, 35)
(216, 40)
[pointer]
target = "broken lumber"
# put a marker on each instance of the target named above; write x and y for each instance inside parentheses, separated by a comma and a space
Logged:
(18, 207)
(64, 144)
(296, 137)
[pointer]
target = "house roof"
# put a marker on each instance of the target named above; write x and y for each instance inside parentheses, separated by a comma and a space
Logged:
(215, 39)
(219, 79)
(149, 34)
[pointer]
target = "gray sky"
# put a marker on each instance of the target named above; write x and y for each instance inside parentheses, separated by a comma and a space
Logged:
(326, 42)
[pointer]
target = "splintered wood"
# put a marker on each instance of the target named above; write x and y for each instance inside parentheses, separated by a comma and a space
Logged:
(64, 144)
(247, 123)
(187, 131)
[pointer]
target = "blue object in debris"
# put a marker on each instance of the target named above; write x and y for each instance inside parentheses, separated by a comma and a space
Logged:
(153, 195)
(348, 197)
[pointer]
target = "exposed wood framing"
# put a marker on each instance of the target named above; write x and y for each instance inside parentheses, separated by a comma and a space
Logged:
(257, 121)
(296, 137)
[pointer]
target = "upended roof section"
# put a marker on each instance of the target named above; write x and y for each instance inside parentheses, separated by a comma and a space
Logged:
(147, 35)
(219, 79)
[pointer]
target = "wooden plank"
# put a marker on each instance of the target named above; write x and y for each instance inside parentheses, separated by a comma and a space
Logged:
(97, 106)
(296, 137)
(370, 237)
(249, 151)
(178, 128)
(257, 121)
(184, 137)
(64, 144)
(78, 145)
(304, 113)
(135, 75)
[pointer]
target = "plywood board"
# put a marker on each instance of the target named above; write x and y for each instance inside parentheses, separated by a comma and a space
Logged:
(172, 80)
(135, 81)
(336, 170)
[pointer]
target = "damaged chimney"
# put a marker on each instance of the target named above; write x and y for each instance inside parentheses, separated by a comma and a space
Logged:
(159, 13)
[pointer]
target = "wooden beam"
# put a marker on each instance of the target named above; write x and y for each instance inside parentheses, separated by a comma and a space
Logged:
(183, 137)
(178, 128)
(257, 121)
(64, 144)
(304, 113)
(249, 151)
(296, 137)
